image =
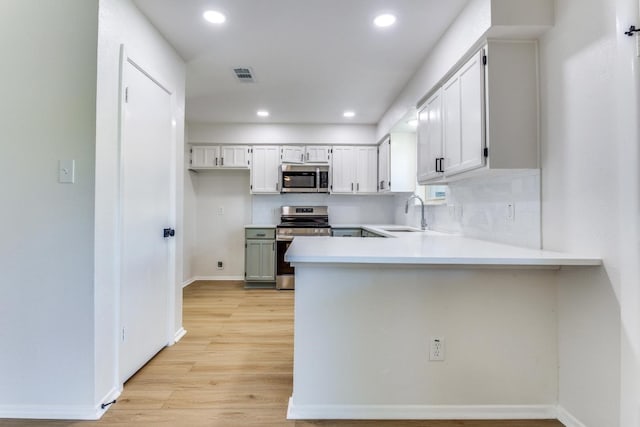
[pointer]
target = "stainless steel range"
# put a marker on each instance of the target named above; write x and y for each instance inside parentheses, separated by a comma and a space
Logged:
(297, 221)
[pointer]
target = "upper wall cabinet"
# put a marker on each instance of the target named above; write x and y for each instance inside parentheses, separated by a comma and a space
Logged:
(219, 156)
(307, 154)
(265, 166)
(318, 153)
(397, 163)
(354, 170)
(292, 154)
(484, 117)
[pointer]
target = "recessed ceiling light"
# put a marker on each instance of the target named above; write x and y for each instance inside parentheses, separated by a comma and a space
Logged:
(263, 113)
(413, 123)
(214, 17)
(384, 20)
(349, 114)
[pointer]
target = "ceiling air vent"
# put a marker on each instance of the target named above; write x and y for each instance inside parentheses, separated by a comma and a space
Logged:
(244, 74)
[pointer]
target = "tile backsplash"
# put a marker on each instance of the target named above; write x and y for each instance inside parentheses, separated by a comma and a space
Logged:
(501, 208)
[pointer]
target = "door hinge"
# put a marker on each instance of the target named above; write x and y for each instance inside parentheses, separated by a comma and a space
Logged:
(484, 59)
(126, 94)
(486, 152)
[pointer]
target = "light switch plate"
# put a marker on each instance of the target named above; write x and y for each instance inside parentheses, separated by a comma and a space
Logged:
(66, 171)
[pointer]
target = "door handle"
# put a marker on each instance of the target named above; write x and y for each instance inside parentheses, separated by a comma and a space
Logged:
(358, 187)
(221, 161)
(307, 157)
(352, 186)
(168, 232)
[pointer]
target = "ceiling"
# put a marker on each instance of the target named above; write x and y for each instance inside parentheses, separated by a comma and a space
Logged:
(312, 59)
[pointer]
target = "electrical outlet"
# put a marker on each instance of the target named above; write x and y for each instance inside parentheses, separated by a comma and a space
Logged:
(511, 212)
(436, 349)
(220, 265)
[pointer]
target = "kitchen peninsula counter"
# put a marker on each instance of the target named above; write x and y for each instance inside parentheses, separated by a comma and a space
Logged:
(424, 248)
(367, 310)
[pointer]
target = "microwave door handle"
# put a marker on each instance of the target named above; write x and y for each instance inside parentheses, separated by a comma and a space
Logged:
(317, 180)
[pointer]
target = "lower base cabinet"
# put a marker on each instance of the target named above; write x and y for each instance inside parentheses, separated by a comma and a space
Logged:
(260, 256)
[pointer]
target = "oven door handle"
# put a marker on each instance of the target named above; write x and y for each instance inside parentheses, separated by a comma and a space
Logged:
(284, 238)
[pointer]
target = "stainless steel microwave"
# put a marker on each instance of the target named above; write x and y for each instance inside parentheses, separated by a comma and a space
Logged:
(304, 179)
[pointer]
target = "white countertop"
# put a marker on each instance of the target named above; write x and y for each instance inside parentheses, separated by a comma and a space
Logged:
(423, 248)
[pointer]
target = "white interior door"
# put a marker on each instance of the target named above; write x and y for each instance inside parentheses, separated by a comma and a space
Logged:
(147, 152)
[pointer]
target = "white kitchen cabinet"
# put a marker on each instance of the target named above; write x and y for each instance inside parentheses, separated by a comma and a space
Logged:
(397, 163)
(354, 169)
(463, 118)
(265, 165)
(219, 156)
(204, 156)
(235, 156)
(343, 171)
(489, 116)
(292, 154)
(429, 135)
(318, 154)
(384, 158)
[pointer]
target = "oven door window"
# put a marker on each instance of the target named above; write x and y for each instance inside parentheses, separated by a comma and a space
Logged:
(283, 267)
(299, 180)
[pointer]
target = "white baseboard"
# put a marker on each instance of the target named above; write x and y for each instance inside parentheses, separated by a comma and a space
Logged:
(420, 412)
(566, 418)
(60, 412)
(188, 282)
(179, 334)
(211, 278)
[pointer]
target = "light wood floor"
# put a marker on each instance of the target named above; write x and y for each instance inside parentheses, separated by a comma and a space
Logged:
(233, 368)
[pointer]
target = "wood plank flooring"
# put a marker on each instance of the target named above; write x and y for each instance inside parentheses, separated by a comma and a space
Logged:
(233, 368)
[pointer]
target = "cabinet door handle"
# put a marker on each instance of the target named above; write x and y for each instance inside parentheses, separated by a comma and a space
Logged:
(221, 161)
(358, 187)
(216, 161)
(302, 157)
(277, 185)
(382, 185)
(352, 186)
(307, 157)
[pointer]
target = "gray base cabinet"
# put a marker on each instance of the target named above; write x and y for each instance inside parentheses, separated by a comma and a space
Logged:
(260, 255)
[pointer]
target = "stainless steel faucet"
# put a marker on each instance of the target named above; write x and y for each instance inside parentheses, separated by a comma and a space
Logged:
(423, 221)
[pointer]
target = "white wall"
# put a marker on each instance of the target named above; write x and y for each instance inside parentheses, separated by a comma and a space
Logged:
(121, 23)
(282, 134)
(223, 207)
(590, 187)
(46, 251)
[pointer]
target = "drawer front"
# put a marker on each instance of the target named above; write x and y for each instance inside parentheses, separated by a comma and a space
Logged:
(346, 232)
(260, 233)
